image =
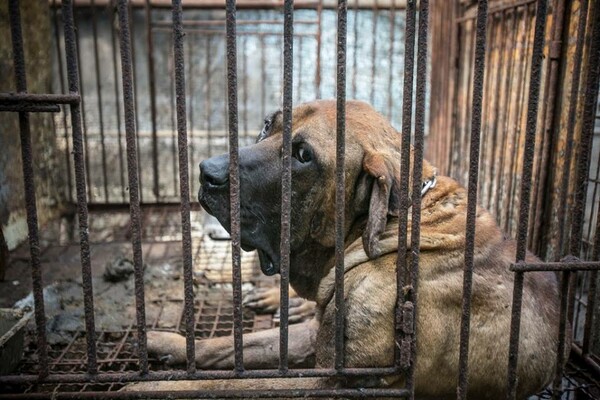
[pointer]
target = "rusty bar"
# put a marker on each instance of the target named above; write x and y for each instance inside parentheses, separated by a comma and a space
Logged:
(80, 186)
(135, 101)
(191, 107)
(118, 103)
(132, 172)
(29, 184)
(263, 76)
(590, 106)
(286, 178)
(83, 119)
(33, 98)
(417, 173)
(532, 108)
(208, 72)
(407, 101)
(239, 22)
(318, 62)
(221, 394)
(374, 51)
(245, 85)
(152, 88)
(355, 49)
(24, 107)
(340, 181)
(59, 59)
(391, 51)
(500, 8)
(99, 97)
(562, 206)
(552, 83)
(184, 187)
(234, 183)
(122, 377)
(171, 68)
(569, 265)
(477, 98)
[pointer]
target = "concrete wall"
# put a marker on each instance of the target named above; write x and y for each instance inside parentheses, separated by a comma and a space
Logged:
(47, 165)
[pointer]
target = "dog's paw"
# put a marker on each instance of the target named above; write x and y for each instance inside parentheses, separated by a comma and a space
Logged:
(263, 300)
(300, 310)
(168, 347)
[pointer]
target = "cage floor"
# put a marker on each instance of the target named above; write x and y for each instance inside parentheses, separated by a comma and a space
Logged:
(115, 316)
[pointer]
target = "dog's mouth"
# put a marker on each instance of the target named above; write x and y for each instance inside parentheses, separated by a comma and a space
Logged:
(250, 240)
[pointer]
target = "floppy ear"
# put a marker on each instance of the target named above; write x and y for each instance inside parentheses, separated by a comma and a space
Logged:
(384, 199)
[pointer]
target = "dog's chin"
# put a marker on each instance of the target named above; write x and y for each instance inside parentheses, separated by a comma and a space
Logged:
(268, 266)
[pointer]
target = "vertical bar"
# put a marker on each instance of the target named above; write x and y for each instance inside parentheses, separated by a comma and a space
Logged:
(117, 103)
(29, 183)
(342, 11)
(263, 76)
(355, 48)
(59, 58)
(286, 178)
(391, 62)
(99, 97)
(532, 107)
(245, 85)
(407, 101)
(152, 88)
(184, 187)
(191, 74)
(479, 67)
(135, 99)
(234, 186)
(132, 174)
(374, 51)
(587, 133)
(207, 71)
(80, 185)
(83, 119)
(171, 68)
(318, 63)
(418, 172)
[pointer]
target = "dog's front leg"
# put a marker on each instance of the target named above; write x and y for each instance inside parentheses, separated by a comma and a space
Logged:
(261, 349)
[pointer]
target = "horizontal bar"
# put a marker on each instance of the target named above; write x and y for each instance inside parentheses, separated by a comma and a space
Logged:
(586, 359)
(208, 22)
(247, 4)
(25, 107)
(15, 98)
(495, 10)
(556, 266)
(198, 375)
(220, 394)
(238, 33)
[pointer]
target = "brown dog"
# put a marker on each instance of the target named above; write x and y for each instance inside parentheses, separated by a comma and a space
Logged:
(372, 175)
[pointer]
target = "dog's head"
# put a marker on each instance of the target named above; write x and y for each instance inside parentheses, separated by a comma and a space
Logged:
(372, 165)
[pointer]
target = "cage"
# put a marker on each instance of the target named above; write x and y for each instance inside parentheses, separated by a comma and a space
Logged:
(503, 97)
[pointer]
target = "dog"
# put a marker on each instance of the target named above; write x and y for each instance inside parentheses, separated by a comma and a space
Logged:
(372, 198)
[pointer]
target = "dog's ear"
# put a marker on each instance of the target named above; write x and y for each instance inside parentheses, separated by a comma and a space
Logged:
(384, 199)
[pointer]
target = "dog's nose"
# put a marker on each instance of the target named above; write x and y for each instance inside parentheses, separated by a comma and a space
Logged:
(215, 170)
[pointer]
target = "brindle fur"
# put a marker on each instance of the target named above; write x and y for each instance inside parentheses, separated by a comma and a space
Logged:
(372, 175)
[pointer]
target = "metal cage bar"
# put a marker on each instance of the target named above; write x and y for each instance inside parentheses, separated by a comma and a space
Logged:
(234, 179)
(30, 197)
(340, 183)
(80, 184)
(532, 107)
(286, 179)
(477, 101)
(184, 186)
(132, 174)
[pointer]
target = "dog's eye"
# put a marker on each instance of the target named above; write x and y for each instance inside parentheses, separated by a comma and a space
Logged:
(302, 153)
